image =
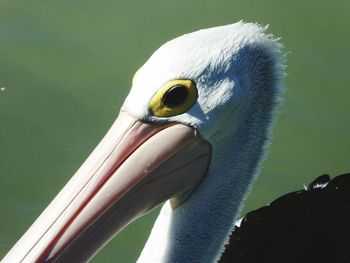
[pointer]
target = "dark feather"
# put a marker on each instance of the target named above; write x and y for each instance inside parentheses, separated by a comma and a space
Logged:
(311, 225)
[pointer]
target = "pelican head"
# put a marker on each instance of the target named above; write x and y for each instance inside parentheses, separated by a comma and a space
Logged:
(191, 133)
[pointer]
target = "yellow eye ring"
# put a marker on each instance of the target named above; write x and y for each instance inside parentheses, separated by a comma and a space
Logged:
(174, 98)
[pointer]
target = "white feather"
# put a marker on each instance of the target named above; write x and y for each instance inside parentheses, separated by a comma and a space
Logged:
(238, 71)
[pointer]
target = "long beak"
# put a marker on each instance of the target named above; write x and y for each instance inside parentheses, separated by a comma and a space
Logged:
(136, 166)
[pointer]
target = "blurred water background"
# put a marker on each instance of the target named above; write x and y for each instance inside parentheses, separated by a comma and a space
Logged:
(66, 66)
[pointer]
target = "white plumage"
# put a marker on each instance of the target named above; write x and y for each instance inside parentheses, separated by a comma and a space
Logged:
(238, 70)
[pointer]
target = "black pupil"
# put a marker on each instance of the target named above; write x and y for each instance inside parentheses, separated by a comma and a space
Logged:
(175, 96)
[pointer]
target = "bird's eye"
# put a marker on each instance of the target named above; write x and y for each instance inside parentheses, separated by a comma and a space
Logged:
(174, 98)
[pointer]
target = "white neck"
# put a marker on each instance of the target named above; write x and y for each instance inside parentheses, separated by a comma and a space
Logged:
(197, 230)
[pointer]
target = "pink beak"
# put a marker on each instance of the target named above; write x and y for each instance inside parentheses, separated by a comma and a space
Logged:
(136, 166)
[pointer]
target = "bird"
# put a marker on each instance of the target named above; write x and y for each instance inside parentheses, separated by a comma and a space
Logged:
(191, 135)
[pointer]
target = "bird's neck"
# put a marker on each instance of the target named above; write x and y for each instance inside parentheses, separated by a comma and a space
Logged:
(197, 230)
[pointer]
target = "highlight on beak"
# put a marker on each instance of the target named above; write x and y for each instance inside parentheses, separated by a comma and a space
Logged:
(135, 167)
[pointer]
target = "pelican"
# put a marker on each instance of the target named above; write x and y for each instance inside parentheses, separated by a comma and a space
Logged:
(192, 133)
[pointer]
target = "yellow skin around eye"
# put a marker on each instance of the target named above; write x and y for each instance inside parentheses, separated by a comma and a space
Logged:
(157, 108)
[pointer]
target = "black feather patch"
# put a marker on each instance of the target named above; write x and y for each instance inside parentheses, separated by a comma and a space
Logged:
(305, 226)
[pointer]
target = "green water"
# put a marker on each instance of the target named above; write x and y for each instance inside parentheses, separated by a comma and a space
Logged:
(66, 66)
